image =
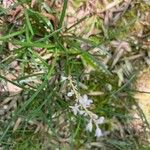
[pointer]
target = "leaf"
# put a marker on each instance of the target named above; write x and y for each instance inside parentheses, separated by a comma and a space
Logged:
(91, 60)
(12, 35)
(28, 22)
(63, 13)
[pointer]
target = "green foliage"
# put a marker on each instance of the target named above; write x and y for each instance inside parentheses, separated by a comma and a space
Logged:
(45, 54)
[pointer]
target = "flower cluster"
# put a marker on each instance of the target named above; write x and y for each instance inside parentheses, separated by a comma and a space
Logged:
(81, 107)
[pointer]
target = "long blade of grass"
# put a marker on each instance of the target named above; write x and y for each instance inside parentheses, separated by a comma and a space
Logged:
(5, 132)
(36, 44)
(50, 35)
(63, 13)
(124, 86)
(28, 76)
(12, 35)
(78, 22)
(28, 22)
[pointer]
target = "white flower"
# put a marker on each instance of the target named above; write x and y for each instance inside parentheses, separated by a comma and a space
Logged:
(98, 132)
(75, 108)
(100, 120)
(84, 101)
(63, 78)
(5, 107)
(81, 112)
(69, 94)
(89, 126)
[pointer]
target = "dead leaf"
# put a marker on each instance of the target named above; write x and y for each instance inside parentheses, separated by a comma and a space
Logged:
(121, 48)
(8, 3)
(11, 87)
(33, 2)
(17, 124)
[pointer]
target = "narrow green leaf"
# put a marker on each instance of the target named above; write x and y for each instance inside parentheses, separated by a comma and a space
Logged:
(63, 13)
(91, 60)
(28, 22)
(50, 35)
(36, 44)
(12, 35)
(78, 22)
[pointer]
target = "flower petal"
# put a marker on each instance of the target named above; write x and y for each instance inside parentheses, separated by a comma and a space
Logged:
(63, 78)
(81, 112)
(98, 132)
(100, 120)
(84, 101)
(69, 94)
(89, 126)
(75, 109)
(85, 97)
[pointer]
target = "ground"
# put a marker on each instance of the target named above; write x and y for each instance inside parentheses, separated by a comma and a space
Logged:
(74, 74)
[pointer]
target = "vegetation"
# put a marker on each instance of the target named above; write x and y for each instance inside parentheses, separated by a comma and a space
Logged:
(68, 72)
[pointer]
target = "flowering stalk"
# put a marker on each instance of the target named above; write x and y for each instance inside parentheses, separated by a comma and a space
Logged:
(81, 107)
